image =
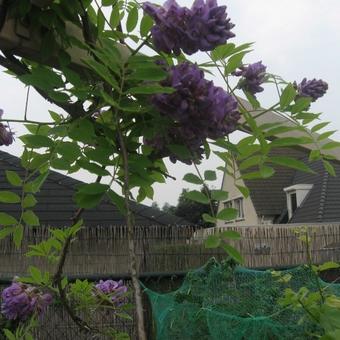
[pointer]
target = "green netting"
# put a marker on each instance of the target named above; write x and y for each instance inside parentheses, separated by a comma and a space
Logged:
(218, 302)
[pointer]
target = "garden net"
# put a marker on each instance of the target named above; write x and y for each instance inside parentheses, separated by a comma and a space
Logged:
(219, 302)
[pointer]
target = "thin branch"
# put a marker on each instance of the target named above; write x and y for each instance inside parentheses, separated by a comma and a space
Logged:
(58, 276)
(130, 227)
(26, 103)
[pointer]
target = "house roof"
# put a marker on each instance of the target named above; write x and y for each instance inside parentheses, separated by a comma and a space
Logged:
(322, 204)
(56, 207)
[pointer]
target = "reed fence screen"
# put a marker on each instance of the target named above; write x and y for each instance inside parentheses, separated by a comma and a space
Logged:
(161, 250)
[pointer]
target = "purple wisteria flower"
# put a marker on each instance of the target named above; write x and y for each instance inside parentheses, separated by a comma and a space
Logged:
(115, 289)
(6, 135)
(203, 27)
(311, 88)
(253, 76)
(20, 301)
(197, 110)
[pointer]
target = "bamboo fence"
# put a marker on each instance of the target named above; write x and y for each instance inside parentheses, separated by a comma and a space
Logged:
(101, 251)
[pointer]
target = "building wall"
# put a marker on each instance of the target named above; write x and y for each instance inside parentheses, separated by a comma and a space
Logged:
(250, 216)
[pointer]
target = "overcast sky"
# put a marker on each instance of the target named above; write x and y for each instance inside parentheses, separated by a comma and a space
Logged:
(294, 38)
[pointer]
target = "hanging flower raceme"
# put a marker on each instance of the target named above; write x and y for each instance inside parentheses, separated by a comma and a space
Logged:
(253, 76)
(115, 289)
(311, 88)
(20, 301)
(197, 110)
(203, 27)
(6, 135)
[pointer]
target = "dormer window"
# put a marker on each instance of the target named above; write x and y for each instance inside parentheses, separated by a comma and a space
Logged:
(295, 196)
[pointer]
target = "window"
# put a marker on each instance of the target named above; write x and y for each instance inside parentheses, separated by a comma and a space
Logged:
(237, 204)
(293, 201)
(228, 204)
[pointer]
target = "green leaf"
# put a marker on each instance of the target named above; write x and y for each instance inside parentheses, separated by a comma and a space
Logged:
(212, 241)
(7, 220)
(9, 334)
(100, 21)
(266, 171)
(87, 201)
(287, 96)
(13, 178)
(4, 232)
(29, 201)
(38, 182)
(290, 162)
(149, 73)
(314, 155)
(208, 218)
(232, 252)
(210, 175)
(37, 141)
(319, 126)
(30, 218)
(82, 130)
(9, 197)
(325, 135)
(55, 116)
(252, 100)
(330, 145)
(108, 2)
(115, 16)
(150, 90)
(234, 62)
(92, 167)
(103, 72)
(243, 190)
(132, 19)
(69, 150)
(301, 104)
(93, 188)
(231, 234)
(222, 51)
(145, 25)
(328, 265)
(43, 78)
(197, 196)
(227, 214)
(219, 195)
(35, 274)
(117, 200)
(251, 162)
(18, 234)
(192, 178)
(329, 167)
(290, 141)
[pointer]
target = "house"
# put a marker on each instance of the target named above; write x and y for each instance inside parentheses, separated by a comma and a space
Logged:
(289, 196)
(56, 207)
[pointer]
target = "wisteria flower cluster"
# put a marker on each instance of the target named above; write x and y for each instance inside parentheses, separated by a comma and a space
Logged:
(115, 289)
(253, 76)
(197, 110)
(311, 88)
(203, 27)
(20, 301)
(6, 135)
